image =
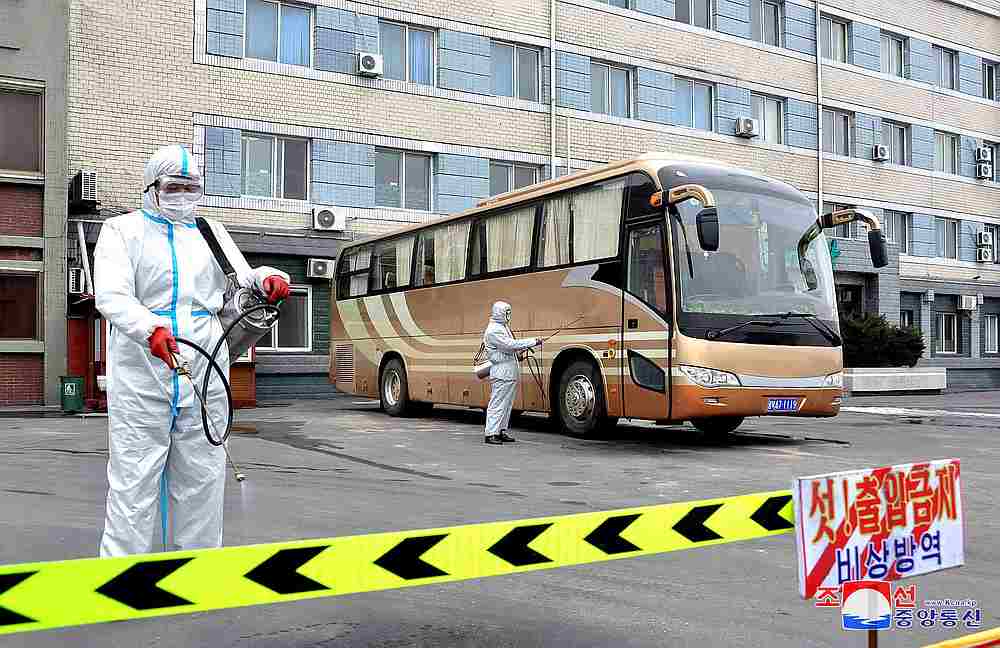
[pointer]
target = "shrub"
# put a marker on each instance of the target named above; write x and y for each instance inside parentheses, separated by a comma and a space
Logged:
(871, 341)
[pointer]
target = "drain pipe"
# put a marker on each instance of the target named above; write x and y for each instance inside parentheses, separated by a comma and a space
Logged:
(569, 166)
(819, 113)
(552, 88)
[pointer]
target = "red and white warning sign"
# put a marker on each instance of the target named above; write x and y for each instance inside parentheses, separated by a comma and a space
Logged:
(880, 524)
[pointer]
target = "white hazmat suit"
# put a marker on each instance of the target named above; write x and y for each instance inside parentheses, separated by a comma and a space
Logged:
(153, 269)
(505, 370)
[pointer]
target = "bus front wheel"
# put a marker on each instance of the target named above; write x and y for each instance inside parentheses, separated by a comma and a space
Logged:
(581, 407)
(394, 391)
(718, 426)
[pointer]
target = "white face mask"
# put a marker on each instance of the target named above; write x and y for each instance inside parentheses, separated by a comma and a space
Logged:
(178, 206)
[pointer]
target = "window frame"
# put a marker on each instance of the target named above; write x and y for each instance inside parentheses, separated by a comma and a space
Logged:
(955, 151)
(709, 10)
(39, 301)
(832, 207)
(39, 95)
(275, 140)
(949, 224)
(991, 72)
(940, 341)
(299, 288)
(828, 32)
(761, 6)
(402, 179)
(900, 43)
(312, 33)
(511, 168)
(764, 99)
(630, 81)
(939, 54)
(910, 316)
(903, 131)
(515, 70)
(408, 76)
(711, 102)
(902, 223)
(847, 118)
(994, 229)
(995, 319)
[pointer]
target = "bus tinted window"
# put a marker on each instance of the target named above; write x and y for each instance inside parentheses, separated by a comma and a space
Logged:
(441, 254)
(391, 265)
(646, 278)
(508, 239)
(555, 234)
(353, 281)
(595, 215)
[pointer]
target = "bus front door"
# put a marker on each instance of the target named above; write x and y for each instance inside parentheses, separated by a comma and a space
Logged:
(645, 339)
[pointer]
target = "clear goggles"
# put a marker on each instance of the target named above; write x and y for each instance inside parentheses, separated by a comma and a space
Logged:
(180, 185)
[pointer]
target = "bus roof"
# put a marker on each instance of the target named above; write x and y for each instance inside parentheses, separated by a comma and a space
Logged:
(650, 162)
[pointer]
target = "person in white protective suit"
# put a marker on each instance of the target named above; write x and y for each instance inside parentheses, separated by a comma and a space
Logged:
(502, 350)
(156, 279)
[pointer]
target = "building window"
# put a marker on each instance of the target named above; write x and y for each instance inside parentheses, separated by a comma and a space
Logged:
(994, 231)
(994, 159)
(893, 54)
(990, 81)
(946, 62)
(515, 71)
(906, 319)
(694, 12)
(402, 179)
(609, 90)
(946, 152)
(407, 52)
(840, 231)
(278, 31)
(895, 139)
(836, 132)
(990, 333)
(622, 4)
(769, 112)
(693, 104)
(508, 176)
(21, 135)
(897, 227)
(946, 237)
(293, 332)
(275, 167)
(947, 333)
(765, 21)
(19, 305)
(833, 35)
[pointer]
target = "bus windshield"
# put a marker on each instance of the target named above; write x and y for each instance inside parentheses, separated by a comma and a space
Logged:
(757, 269)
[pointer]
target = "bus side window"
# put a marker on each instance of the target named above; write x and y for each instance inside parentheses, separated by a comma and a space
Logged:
(640, 190)
(353, 280)
(391, 266)
(646, 278)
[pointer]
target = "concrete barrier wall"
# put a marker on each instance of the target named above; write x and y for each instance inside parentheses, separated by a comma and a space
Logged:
(884, 379)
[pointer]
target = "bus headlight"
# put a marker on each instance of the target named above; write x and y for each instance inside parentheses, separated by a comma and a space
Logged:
(834, 380)
(710, 377)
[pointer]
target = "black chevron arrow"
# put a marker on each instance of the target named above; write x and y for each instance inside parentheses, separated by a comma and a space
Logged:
(136, 586)
(768, 514)
(608, 536)
(514, 548)
(279, 573)
(8, 581)
(404, 561)
(692, 526)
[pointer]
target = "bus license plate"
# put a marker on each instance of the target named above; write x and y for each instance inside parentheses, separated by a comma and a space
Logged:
(782, 404)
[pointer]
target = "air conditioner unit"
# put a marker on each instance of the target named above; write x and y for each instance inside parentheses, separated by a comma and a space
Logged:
(929, 297)
(83, 192)
(880, 152)
(330, 219)
(984, 254)
(984, 171)
(747, 127)
(984, 154)
(76, 282)
(984, 239)
(846, 295)
(370, 64)
(967, 302)
(320, 268)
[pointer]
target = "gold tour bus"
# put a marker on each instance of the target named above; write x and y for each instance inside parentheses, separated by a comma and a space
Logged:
(673, 290)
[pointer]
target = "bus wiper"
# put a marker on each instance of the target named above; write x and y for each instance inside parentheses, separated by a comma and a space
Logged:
(715, 335)
(817, 324)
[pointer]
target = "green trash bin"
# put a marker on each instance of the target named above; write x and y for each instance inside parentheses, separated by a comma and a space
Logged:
(71, 388)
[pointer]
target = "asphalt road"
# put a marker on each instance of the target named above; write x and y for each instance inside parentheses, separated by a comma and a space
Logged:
(326, 468)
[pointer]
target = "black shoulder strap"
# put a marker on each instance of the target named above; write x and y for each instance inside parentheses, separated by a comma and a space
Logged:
(213, 244)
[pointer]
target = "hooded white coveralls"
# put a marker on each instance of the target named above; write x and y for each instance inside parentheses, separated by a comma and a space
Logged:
(151, 271)
(505, 370)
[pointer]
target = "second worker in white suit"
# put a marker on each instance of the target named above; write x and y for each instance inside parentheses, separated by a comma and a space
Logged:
(505, 371)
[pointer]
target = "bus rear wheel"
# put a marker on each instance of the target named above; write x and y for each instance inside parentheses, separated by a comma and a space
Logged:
(717, 426)
(394, 390)
(581, 407)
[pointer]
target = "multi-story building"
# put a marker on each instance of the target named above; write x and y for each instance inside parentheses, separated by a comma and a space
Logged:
(32, 200)
(282, 106)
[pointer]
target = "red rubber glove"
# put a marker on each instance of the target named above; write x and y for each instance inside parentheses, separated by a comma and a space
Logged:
(275, 288)
(161, 344)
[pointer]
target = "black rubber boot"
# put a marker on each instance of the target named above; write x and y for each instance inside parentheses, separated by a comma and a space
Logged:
(494, 439)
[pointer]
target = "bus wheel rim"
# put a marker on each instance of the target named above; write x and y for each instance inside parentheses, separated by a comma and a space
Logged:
(581, 397)
(392, 388)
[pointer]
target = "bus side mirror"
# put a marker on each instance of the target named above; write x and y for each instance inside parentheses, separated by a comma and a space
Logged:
(708, 229)
(877, 247)
(876, 240)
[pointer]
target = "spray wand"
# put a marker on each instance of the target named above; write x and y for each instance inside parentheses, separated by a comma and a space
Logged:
(535, 367)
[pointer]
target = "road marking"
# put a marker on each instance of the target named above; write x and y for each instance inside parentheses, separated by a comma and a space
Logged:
(905, 411)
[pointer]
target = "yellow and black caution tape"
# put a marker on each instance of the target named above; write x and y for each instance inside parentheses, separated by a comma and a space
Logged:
(36, 596)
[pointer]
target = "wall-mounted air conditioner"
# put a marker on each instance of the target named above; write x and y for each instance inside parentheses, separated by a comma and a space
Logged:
(76, 281)
(984, 254)
(984, 154)
(329, 219)
(370, 64)
(880, 152)
(984, 171)
(747, 127)
(967, 302)
(984, 239)
(320, 268)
